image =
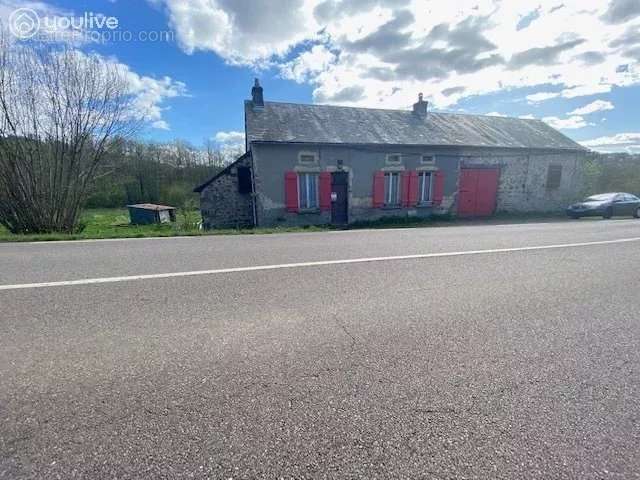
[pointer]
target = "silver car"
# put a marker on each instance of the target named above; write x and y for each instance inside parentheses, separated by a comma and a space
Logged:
(606, 205)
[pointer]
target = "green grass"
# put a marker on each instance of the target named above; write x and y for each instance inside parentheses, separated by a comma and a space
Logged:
(114, 223)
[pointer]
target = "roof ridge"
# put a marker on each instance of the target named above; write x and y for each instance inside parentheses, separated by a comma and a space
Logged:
(399, 110)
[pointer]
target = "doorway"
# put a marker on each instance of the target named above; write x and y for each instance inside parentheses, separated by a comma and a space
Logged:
(477, 192)
(340, 198)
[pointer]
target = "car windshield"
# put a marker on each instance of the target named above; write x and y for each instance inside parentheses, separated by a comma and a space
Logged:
(600, 198)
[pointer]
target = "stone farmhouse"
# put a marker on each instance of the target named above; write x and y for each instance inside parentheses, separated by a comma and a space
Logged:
(323, 164)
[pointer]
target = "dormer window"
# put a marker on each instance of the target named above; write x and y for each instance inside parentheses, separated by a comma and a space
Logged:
(427, 160)
(394, 159)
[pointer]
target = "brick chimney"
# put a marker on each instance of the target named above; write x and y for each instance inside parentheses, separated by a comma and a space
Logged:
(420, 107)
(256, 95)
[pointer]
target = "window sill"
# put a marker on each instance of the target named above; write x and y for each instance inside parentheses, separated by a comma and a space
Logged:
(308, 211)
(424, 205)
(391, 207)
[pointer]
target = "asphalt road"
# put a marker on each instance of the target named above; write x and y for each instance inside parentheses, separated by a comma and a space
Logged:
(516, 364)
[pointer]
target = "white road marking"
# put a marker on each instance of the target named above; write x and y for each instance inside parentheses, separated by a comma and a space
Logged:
(153, 276)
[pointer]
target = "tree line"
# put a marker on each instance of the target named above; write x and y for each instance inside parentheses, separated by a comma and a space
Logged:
(137, 171)
(612, 172)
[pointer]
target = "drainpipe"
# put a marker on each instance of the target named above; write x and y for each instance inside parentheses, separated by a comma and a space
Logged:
(253, 192)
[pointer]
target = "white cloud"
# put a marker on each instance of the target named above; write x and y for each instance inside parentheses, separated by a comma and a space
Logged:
(241, 32)
(392, 49)
(527, 117)
(596, 106)
(309, 63)
(160, 125)
(495, 114)
(586, 90)
(573, 92)
(541, 97)
(231, 137)
(150, 93)
(230, 144)
(629, 142)
(569, 123)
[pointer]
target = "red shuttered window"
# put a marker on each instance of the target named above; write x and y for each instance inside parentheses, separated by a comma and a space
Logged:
(378, 189)
(404, 189)
(413, 189)
(409, 189)
(325, 191)
(438, 187)
(291, 191)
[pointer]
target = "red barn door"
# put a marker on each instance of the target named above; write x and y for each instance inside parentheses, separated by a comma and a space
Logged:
(477, 192)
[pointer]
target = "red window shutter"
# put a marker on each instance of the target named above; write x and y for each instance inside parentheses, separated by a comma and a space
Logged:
(325, 191)
(378, 189)
(291, 191)
(438, 187)
(413, 189)
(404, 189)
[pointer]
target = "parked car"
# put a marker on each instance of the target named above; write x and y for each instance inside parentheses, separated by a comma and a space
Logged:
(606, 205)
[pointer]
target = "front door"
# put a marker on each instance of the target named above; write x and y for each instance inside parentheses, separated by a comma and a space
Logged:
(339, 198)
(477, 192)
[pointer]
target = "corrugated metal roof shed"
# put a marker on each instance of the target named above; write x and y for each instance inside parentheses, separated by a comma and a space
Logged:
(151, 206)
(293, 123)
(146, 213)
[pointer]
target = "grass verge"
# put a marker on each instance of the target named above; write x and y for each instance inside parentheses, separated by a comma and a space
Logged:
(114, 223)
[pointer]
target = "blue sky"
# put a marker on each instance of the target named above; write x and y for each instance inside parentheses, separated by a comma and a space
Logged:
(574, 64)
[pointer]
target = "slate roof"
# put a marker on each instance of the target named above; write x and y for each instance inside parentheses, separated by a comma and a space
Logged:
(299, 123)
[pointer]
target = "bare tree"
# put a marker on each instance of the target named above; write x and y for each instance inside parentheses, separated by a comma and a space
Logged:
(60, 112)
(220, 155)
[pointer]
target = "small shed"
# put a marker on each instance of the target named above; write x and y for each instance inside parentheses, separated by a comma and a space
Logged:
(147, 213)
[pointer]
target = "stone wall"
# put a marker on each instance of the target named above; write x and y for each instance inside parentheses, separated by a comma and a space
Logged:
(523, 179)
(220, 203)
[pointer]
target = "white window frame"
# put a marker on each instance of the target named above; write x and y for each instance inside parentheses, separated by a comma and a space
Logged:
(301, 155)
(394, 162)
(422, 183)
(306, 177)
(431, 161)
(389, 192)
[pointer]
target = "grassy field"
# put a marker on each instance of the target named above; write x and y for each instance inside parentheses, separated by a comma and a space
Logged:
(114, 223)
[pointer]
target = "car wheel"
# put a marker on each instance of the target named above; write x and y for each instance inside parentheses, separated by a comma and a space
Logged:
(608, 213)
(637, 214)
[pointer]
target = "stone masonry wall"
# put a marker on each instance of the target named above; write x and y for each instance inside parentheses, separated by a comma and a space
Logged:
(222, 206)
(523, 180)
